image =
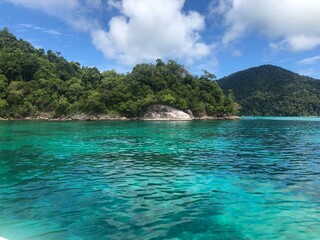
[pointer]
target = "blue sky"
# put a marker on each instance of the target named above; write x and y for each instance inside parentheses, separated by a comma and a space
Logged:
(222, 36)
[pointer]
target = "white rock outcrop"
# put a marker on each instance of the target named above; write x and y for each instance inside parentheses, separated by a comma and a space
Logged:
(159, 112)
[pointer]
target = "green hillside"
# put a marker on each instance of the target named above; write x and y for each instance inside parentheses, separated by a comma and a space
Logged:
(34, 81)
(273, 91)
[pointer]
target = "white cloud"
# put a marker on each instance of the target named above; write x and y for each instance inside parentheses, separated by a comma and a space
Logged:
(236, 53)
(116, 4)
(146, 30)
(41, 29)
(311, 72)
(76, 13)
(219, 7)
(52, 32)
(303, 42)
(289, 24)
(48, 6)
(310, 60)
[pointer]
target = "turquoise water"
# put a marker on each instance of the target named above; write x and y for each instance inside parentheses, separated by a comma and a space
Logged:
(257, 178)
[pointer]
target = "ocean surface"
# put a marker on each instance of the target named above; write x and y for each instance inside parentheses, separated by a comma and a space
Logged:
(256, 178)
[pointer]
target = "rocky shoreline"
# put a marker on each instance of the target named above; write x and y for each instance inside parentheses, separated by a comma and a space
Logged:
(154, 112)
(107, 118)
(224, 117)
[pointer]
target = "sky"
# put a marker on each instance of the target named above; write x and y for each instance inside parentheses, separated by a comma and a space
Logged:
(221, 36)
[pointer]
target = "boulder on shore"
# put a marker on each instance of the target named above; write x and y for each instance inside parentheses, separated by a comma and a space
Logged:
(159, 112)
(81, 117)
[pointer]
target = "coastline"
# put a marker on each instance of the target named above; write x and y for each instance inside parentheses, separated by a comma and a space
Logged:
(85, 117)
(225, 117)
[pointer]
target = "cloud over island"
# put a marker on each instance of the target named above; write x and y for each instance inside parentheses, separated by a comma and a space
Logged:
(142, 30)
(288, 24)
(198, 34)
(146, 30)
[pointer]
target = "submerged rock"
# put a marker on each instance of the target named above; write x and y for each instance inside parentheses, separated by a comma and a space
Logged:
(166, 113)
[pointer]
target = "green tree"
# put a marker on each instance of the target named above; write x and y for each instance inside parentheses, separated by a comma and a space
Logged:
(3, 107)
(3, 85)
(93, 103)
(61, 106)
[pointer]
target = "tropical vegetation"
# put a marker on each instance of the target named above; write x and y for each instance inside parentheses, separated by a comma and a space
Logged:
(273, 91)
(34, 81)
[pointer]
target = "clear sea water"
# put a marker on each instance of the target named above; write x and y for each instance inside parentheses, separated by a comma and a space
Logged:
(256, 178)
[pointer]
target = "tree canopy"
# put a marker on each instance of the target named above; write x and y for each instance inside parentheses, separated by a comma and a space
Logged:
(34, 81)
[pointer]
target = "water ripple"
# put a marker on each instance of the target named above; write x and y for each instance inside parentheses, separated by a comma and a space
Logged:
(248, 179)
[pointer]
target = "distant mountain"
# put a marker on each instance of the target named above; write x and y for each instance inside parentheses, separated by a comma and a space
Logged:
(269, 90)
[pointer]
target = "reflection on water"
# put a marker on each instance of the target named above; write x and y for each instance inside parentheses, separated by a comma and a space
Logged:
(247, 179)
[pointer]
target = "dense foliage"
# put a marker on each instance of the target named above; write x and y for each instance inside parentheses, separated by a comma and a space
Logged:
(33, 82)
(273, 91)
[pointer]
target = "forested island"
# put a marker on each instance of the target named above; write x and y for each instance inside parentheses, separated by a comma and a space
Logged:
(36, 83)
(39, 84)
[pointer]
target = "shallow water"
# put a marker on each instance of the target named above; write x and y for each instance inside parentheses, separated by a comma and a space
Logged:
(257, 178)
